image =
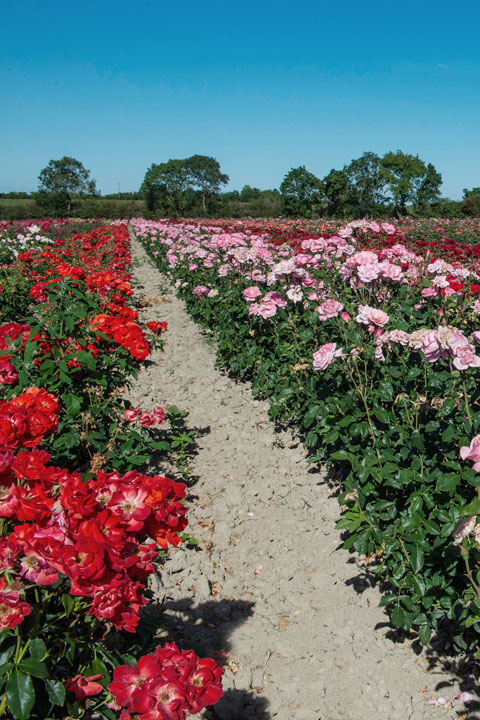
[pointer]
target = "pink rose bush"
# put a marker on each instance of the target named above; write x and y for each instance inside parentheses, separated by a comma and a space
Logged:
(367, 340)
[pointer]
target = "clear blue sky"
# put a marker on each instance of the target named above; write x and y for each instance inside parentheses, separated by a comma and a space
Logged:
(260, 86)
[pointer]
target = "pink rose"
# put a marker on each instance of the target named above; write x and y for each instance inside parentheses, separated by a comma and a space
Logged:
(472, 452)
(159, 415)
(429, 292)
(267, 308)
(329, 309)
(368, 273)
(251, 293)
(465, 358)
(326, 355)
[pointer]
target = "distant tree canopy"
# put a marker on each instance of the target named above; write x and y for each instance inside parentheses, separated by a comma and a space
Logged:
(367, 186)
(302, 193)
(171, 187)
(60, 182)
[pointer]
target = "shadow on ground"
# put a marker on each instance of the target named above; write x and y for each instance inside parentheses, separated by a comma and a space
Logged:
(206, 627)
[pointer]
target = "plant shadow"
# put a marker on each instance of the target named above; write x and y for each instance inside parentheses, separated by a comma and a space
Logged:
(205, 628)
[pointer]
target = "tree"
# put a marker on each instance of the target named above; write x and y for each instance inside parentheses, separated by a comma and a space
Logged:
(302, 193)
(408, 180)
(164, 185)
(60, 181)
(205, 175)
(337, 193)
(365, 184)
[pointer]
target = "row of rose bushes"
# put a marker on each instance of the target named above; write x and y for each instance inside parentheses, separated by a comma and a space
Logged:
(81, 527)
(454, 240)
(372, 355)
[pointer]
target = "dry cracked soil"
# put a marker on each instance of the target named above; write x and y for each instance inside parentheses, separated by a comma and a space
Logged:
(269, 592)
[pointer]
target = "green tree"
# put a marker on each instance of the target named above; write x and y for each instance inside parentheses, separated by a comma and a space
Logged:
(337, 193)
(164, 185)
(60, 182)
(302, 193)
(407, 179)
(365, 185)
(204, 174)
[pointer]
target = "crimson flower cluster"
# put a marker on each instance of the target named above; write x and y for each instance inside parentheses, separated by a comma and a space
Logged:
(166, 684)
(100, 533)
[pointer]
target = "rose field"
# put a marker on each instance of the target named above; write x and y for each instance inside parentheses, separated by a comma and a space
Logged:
(308, 509)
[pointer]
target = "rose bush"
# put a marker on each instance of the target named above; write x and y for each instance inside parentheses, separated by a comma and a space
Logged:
(78, 541)
(368, 345)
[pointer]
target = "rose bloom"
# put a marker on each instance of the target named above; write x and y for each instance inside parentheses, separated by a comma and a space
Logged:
(472, 452)
(325, 356)
(368, 273)
(463, 528)
(429, 292)
(465, 358)
(146, 420)
(251, 293)
(329, 309)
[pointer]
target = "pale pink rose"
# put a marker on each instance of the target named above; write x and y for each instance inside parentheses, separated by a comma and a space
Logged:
(267, 308)
(399, 336)
(466, 358)
(251, 293)
(463, 528)
(476, 306)
(392, 272)
(379, 356)
(429, 292)
(377, 317)
(448, 292)
(476, 336)
(368, 273)
(440, 281)
(199, 291)
(326, 355)
(313, 296)
(146, 420)
(294, 293)
(431, 347)
(276, 298)
(254, 309)
(389, 229)
(472, 452)
(375, 226)
(329, 309)
(192, 267)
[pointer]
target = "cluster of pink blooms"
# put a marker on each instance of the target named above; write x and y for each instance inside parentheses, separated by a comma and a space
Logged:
(445, 342)
(146, 419)
(267, 306)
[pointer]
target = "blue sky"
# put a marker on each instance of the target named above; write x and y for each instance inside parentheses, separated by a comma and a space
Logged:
(260, 86)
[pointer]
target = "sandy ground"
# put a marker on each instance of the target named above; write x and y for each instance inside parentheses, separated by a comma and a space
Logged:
(270, 593)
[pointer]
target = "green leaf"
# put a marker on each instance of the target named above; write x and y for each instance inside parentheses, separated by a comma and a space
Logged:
(424, 634)
(20, 695)
(56, 692)
(417, 440)
(398, 616)
(340, 455)
(68, 603)
(72, 403)
(33, 667)
(416, 558)
(382, 415)
(38, 650)
(385, 391)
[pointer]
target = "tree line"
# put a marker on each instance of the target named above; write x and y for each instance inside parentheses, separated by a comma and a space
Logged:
(396, 184)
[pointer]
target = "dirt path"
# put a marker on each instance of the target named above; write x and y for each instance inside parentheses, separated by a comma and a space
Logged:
(303, 636)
